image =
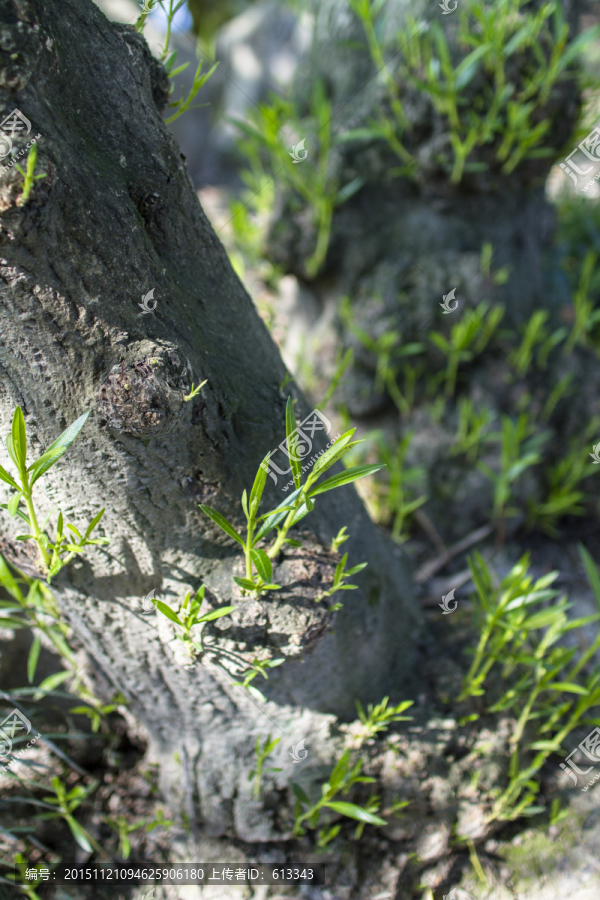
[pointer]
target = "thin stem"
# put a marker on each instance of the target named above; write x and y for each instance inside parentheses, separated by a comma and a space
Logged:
(274, 550)
(33, 520)
(168, 31)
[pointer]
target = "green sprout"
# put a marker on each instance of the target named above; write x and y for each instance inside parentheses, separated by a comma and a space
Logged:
(28, 175)
(520, 449)
(290, 511)
(522, 657)
(124, 828)
(468, 338)
(66, 802)
(168, 58)
(189, 617)
(261, 755)
(379, 717)
(54, 554)
(471, 429)
(340, 780)
(194, 391)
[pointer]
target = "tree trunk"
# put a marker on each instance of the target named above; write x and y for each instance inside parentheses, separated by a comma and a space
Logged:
(115, 217)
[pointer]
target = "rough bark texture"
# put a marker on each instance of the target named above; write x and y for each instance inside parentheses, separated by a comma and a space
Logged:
(115, 217)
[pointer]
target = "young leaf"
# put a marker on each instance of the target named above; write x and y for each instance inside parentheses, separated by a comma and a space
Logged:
(331, 455)
(355, 812)
(357, 568)
(216, 614)
(339, 772)
(263, 564)
(93, 524)
(4, 476)
(32, 659)
(300, 794)
(57, 449)
(259, 482)
(222, 522)
(346, 477)
(79, 834)
(276, 516)
(245, 504)
(245, 583)
(591, 571)
(19, 439)
(8, 582)
(51, 682)
(567, 687)
(13, 504)
(168, 612)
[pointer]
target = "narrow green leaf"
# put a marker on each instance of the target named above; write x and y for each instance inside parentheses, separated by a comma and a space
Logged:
(337, 450)
(4, 476)
(79, 834)
(216, 614)
(13, 504)
(357, 568)
(10, 622)
(245, 583)
(545, 745)
(542, 619)
(467, 68)
(93, 524)
(355, 812)
(591, 571)
(48, 684)
(245, 503)
(568, 687)
(339, 772)
(300, 794)
(263, 564)
(11, 452)
(222, 522)
(168, 612)
(19, 439)
(259, 482)
(346, 477)
(277, 515)
(8, 582)
(32, 659)
(57, 448)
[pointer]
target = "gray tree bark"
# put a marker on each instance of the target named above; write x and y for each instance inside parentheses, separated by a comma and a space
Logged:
(115, 217)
